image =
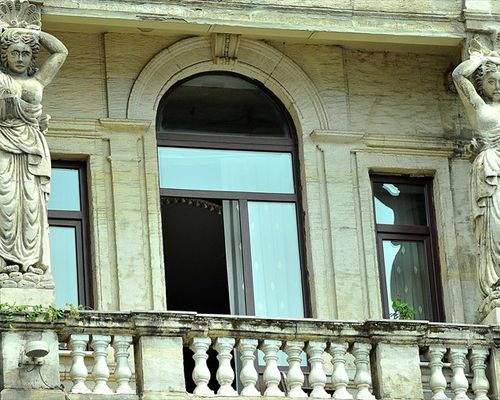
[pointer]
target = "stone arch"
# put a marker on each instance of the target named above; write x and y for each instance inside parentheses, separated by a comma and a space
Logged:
(255, 59)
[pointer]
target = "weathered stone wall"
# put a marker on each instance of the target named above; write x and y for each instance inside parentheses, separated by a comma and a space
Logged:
(385, 112)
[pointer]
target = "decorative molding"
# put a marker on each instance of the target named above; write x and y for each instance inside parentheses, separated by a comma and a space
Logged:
(62, 126)
(20, 14)
(395, 143)
(198, 203)
(332, 136)
(256, 60)
(125, 125)
(225, 48)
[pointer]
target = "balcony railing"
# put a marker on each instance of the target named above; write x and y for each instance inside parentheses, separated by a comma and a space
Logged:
(136, 354)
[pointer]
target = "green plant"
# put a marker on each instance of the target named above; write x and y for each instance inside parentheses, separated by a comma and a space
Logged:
(33, 313)
(402, 310)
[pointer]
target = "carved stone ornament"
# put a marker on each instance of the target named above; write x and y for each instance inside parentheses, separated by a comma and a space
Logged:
(478, 84)
(19, 14)
(225, 48)
(24, 154)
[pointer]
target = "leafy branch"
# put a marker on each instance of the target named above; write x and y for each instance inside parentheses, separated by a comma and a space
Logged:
(38, 312)
(402, 310)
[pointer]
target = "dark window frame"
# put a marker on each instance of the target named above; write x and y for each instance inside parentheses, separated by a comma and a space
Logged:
(424, 233)
(79, 220)
(166, 138)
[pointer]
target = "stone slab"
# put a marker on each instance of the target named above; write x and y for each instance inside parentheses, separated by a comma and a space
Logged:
(398, 370)
(161, 365)
(493, 317)
(50, 394)
(28, 296)
(17, 376)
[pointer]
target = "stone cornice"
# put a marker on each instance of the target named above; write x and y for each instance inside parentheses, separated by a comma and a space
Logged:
(187, 325)
(425, 145)
(440, 26)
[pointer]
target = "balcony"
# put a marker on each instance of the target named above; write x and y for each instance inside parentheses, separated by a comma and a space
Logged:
(187, 355)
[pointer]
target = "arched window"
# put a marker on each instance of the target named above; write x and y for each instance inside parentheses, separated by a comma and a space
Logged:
(231, 213)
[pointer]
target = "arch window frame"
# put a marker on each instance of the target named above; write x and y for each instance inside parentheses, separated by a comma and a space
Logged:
(215, 141)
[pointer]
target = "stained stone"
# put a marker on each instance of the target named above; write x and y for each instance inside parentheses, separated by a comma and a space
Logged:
(32, 277)
(16, 276)
(26, 284)
(8, 284)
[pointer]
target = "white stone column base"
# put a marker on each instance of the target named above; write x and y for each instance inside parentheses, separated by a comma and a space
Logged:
(28, 296)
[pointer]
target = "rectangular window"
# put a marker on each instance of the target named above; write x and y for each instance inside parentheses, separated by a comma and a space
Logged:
(68, 234)
(238, 209)
(407, 246)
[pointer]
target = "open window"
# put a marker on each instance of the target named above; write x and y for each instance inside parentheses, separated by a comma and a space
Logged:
(68, 234)
(230, 202)
(407, 246)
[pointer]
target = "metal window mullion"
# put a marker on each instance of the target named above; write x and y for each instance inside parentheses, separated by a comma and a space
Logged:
(247, 257)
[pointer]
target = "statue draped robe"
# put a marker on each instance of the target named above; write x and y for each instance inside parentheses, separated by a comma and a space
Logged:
(485, 192)
(24, 180)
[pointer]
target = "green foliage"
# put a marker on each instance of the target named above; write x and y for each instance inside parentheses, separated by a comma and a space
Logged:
(37, 312)
(402, 310)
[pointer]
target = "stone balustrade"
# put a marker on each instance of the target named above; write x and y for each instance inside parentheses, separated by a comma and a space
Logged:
(180, 355)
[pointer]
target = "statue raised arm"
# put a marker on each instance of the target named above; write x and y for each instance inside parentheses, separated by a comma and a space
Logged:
(478, 83)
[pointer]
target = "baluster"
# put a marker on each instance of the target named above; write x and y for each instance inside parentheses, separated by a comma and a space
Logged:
(122, 373)
(295, 376)
(317, 376)
(340, 379)
(272, 376)
(480, 384)
(437, 381)
(363, 377)
(78, 372)
(459, 382)
(225, 373)
(201, 373)
(248, 374)
(100, 345)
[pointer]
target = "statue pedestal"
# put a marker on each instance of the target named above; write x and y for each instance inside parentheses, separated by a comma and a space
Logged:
(28, 296)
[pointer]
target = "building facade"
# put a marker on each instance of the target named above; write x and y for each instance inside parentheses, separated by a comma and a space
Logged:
(293, 167)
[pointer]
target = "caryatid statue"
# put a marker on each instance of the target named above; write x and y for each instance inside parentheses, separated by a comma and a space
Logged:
(478, 83)
(24, 154)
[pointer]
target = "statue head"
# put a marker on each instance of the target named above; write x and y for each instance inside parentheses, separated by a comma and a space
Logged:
(487, 80)
(18, 52)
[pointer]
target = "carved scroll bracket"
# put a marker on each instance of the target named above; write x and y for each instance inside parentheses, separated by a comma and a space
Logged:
(225, 48)
(484, 41)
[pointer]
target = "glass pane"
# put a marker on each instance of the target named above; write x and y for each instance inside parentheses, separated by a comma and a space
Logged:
(221, 104)
(65, 190)
(225, 170)
(406, 273)
(274, 246)
(63, 259)
(399, 204)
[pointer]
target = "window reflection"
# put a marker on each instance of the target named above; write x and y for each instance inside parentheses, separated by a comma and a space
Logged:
(225, 170)
(63, 262)
(406, 275)
(399, 204)
(224, 104)
(65, 189)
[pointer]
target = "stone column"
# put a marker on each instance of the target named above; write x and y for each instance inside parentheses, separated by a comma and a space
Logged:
(398, 371)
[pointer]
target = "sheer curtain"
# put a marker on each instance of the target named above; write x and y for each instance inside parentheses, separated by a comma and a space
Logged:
(275, 260)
